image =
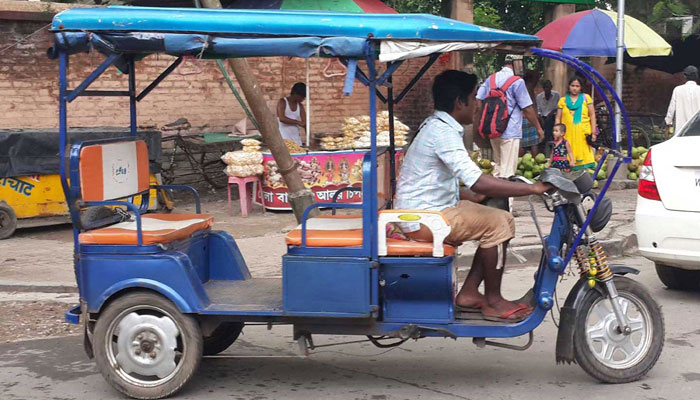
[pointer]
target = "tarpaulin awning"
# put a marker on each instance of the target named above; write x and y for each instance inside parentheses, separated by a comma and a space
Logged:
(35, 151)
(251, 33)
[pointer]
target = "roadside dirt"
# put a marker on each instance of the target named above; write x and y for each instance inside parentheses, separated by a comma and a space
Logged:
(23, 320)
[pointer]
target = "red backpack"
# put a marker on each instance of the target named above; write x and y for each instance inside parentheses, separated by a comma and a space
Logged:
(494, 119)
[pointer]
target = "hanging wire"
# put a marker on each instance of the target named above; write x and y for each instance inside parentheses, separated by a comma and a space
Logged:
(4, 49)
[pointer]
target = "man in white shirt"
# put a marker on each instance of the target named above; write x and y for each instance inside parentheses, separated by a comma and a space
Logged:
(547, 110)
(429, 180)
(685, 101)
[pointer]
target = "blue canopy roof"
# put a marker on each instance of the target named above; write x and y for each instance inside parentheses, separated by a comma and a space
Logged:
(245, 33)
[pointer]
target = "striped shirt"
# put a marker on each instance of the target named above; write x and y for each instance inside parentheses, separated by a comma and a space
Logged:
(433, 166)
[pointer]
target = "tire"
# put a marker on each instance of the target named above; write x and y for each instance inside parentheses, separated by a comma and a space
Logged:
(146, 335)
(96, 213)
(647, 325)
(8, 221)
(678, 278)
(222, 337)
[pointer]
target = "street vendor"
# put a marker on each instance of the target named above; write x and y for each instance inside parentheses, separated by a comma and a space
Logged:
(291, 114)
(433, 166)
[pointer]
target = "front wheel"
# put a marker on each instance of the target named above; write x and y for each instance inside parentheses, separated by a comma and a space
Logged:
(145, 347)
(608, 354)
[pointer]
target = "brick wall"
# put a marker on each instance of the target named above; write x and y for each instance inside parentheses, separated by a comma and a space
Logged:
(29, 89)
(644, 90)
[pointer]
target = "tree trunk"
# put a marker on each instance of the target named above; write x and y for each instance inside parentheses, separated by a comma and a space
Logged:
(299, 196)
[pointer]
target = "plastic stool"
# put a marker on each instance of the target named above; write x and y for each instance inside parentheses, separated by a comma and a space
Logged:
(246, 201)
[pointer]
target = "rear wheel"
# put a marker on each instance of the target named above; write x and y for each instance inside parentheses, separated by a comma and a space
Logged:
(222, 337)
(677, 278)
(8, 221)
(145, 347)
(608, 354)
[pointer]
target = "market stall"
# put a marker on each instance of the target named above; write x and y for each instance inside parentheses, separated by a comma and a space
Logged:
(333, 162)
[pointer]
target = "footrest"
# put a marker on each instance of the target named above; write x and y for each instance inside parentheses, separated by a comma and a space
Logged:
(73, 315)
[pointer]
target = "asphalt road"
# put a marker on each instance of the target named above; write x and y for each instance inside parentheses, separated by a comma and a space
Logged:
(264, 365)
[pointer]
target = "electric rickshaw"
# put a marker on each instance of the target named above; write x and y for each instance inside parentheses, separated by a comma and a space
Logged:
(159, 291)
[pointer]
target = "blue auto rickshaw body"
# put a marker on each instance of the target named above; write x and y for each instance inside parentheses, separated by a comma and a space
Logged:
(329, 290)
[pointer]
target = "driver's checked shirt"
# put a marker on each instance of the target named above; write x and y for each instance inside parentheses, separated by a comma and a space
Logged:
(433, 166)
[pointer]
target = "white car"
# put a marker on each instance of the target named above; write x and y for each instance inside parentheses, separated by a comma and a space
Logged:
(668, 208)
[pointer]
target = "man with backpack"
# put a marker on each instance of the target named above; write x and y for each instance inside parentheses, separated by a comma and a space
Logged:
(502, 101)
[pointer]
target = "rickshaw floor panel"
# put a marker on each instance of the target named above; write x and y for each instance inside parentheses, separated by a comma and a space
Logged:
(249, 295)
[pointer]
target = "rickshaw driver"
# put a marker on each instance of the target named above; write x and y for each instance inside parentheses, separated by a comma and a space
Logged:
(429, 180)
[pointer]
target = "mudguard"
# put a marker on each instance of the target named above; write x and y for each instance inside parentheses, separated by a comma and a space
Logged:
(567, 318)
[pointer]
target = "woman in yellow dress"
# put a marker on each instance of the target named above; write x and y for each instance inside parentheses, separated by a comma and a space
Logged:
(576, 111)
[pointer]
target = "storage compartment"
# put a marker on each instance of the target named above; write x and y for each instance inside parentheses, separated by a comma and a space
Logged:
(326, 286)
(417, 290)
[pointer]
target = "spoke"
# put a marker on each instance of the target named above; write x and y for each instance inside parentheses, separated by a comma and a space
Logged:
(629, 348)
(636, 324)
(602, 310)
(608, 351)
(597, 332)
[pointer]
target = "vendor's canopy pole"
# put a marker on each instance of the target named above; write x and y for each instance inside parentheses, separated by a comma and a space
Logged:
(308, 106)
(242, 103)
(619, 63)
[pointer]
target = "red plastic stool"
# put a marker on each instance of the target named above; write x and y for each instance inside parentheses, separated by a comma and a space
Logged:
(246, 201)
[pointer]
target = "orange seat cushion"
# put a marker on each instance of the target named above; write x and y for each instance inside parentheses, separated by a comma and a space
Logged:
(346, 231)
(156, 228)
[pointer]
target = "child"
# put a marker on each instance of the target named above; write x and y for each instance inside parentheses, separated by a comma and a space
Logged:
(562, 157)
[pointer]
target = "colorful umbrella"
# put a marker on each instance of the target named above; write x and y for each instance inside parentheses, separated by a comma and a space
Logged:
(360, 6)
(594, 32)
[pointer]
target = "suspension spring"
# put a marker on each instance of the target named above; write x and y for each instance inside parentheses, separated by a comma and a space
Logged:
(601, 260)
(582, 260)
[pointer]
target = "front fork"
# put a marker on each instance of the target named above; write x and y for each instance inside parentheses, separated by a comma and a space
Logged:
(592, 262)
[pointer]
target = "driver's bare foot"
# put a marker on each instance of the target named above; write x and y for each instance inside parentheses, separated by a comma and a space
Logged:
(506, 310)
(475, 301)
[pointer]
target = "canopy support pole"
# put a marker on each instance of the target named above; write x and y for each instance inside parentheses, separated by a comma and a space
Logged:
(111, 59)
(159, 79)
(390, 69)
(308, 106)
(392, 145)
(362, 77)
(132, 96)
(371, 212)
(412, 83)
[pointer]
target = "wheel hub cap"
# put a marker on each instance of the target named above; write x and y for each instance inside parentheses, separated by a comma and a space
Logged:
(610, 345)
(146, 345)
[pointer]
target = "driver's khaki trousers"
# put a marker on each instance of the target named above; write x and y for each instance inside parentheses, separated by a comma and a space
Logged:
(472, 221)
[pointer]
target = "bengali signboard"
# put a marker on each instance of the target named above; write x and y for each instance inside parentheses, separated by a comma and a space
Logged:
(323, 173)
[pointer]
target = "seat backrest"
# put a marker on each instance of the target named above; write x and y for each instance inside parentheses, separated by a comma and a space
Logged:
(113, 170)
